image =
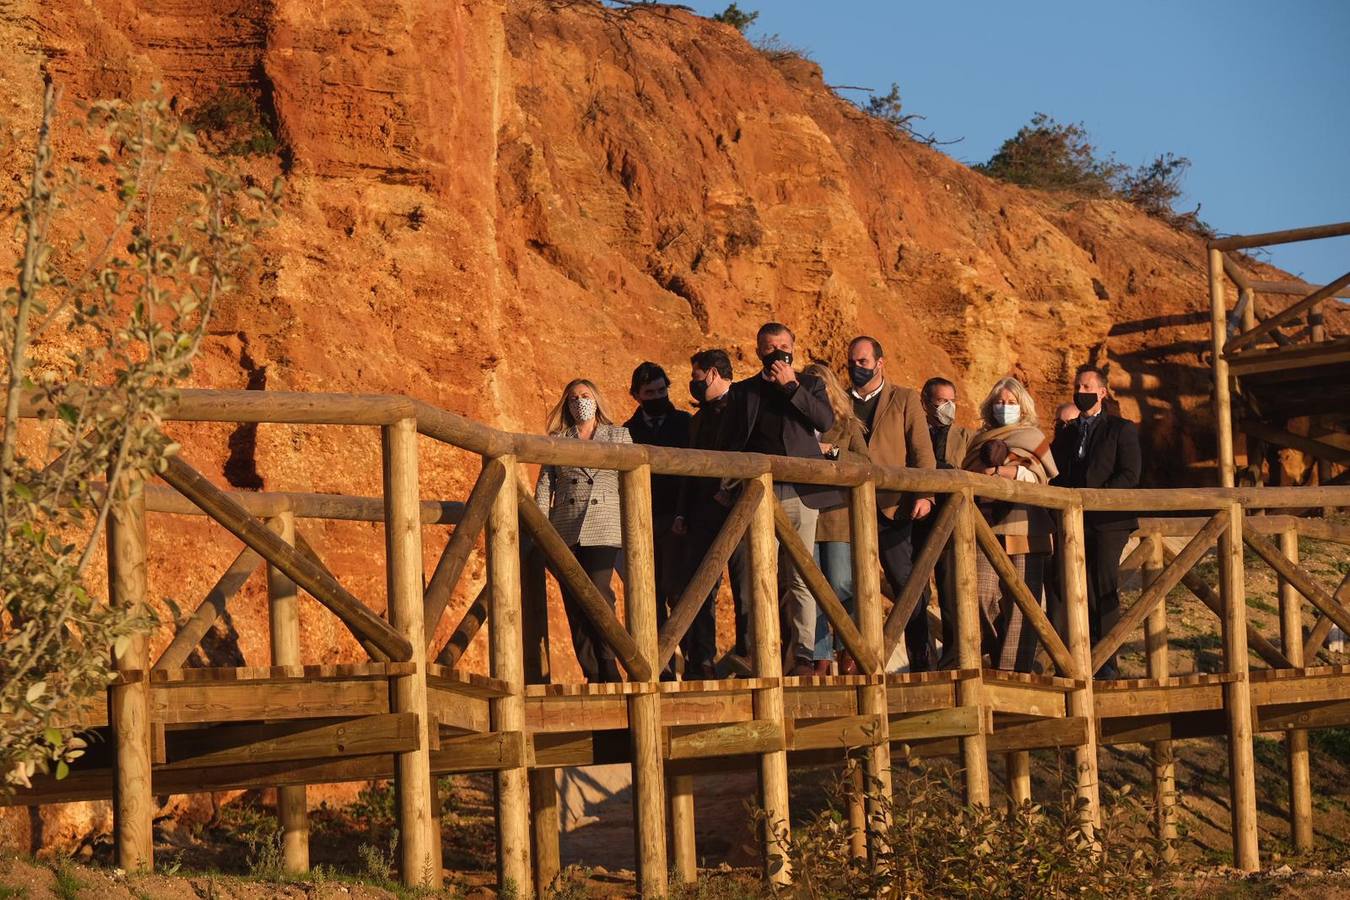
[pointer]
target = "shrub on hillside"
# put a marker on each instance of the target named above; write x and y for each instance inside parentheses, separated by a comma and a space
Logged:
(233, 123)
(1053, 156)
(737, 18)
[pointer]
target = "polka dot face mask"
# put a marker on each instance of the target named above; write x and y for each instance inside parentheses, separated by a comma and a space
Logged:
(582, 408)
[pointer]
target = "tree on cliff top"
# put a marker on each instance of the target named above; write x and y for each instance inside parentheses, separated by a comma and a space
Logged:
(96, 328)
(737, 18)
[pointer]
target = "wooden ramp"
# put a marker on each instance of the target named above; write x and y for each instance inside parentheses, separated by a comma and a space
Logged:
(409, 712)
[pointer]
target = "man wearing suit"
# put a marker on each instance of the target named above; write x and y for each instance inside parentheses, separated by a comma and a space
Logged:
(950, 442)
(1099, 450)
(897, 435)
(780, 412)
(657, 422)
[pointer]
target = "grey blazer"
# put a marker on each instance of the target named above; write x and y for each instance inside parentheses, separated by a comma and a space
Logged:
(583, 504)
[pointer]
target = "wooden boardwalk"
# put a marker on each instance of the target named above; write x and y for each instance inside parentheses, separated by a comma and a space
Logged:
(409, 713)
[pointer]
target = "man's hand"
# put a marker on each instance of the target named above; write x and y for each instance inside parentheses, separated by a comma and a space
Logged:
(782, 374)
(922, 507)
(723, 498)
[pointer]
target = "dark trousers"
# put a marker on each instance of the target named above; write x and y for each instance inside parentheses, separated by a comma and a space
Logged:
(1103, 550)
(944, 575)
(699, 644)
(595, 657)
(672, 572)
(896, 539)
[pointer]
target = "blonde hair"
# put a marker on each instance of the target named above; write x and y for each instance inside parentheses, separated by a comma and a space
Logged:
(1024, 400)
(560, 419)
(834, 392)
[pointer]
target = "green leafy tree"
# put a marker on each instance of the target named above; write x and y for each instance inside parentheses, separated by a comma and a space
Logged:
(736, 17)
(1053, 156)
(116, 268)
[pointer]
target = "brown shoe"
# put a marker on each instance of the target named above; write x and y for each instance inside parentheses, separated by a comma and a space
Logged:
(802, 669)
(847, 664)
(823, 666)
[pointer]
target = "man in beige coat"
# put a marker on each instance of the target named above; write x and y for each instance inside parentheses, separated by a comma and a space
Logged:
(897, 435)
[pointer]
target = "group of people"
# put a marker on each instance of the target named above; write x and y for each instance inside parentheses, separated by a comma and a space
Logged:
(810, 413)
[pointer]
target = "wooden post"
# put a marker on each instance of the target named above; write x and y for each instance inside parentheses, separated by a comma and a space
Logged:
(970, 691)
(644, 709)
(1019, 777)
(1295, 739)
(768, 662)
(857, 810)
(1218, 324)
(283, 598)
(129, 701)
(1237, 695)
(683, 847)
(1073, 587)
(421, 863)
(544, 828)
(872, 698)
(506, 652)
(1155, 647)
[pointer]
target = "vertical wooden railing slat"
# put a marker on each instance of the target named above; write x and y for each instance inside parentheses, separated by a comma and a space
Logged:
(1237, 695)
(872, 698)
(1073, 587)
(970, 691)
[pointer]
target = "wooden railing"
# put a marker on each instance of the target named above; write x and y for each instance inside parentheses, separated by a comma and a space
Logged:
(292, 724)
(1236, 344)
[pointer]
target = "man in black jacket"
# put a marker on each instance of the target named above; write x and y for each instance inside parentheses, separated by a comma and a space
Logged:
(779, 412)
(1099, 450)
(657, 422)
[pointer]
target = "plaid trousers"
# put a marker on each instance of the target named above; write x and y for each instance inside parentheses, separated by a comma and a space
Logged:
(1009, 643)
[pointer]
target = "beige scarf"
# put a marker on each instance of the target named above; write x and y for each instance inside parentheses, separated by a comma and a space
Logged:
(1022, 529)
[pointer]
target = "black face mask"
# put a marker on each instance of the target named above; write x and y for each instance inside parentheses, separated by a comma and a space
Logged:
(769, 359)
(657, 406)
(860, 375)
(1085, 402)
(698, 389)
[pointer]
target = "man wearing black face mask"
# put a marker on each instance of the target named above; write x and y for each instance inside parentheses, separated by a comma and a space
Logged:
(780, 412)
(657, 422)
(1099, 450)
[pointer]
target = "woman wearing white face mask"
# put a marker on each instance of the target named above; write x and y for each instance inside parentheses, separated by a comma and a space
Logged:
(583, 505)
(1012, 446)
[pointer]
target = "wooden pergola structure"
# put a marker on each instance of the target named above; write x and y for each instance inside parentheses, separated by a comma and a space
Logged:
(408, 713)
(1273, 375)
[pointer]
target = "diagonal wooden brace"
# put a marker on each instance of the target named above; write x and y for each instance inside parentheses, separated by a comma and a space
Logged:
(1250, 337)
(709, 570)
(1030, 606)
(456, 554)
(1318, 635)
(1300, 579)
(374, 632)
(1156, 592)
(570, 573)
(1208, 596)
(464, 632)
(209, 610)
(903, 609)
(820, 588)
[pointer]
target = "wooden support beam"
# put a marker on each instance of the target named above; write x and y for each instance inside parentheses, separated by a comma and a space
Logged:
(545, 826)
(872, 698)
(1295, 739)
(1207, 595)
(1317, 637)
(489, 751)
(716, 740)
(709, 570)
(1302, 443)
(644, 709)
(1237, 695)
(766, 650)
(1019, 777)
(296, 740)
(1223, 404)
(418, 827)
(374, 632)
(900, 613)
(682, 845)
(1072, 558)
(1157, 592)
(209, 610)
(969, 691)
(1301, 580)
(283, 615)
(129, 701)
(1247, 338)
(506, 658)
(819, 585)
(842, 733)
(1030, 605)
(1161, 754)
(456, 553)
(466, 630)
(569, 572)
(958, 721)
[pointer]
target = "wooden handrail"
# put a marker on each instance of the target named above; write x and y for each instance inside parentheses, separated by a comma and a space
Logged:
(1270, 238)
(1290, 288)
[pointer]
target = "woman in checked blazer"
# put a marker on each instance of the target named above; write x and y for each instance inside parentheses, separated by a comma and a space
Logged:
(583, 505)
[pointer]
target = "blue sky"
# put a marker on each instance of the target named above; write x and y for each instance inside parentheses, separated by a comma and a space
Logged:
(1256, 94)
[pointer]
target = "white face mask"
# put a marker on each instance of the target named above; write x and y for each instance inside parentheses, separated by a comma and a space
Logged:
(945, 412)
(1007, 413)
(582, 408)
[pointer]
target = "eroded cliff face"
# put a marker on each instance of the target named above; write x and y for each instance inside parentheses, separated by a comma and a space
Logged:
(486, 198)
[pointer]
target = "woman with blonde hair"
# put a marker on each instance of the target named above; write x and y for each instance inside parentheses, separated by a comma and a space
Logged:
(1012, 446)
(583, 505)
(846, 441)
